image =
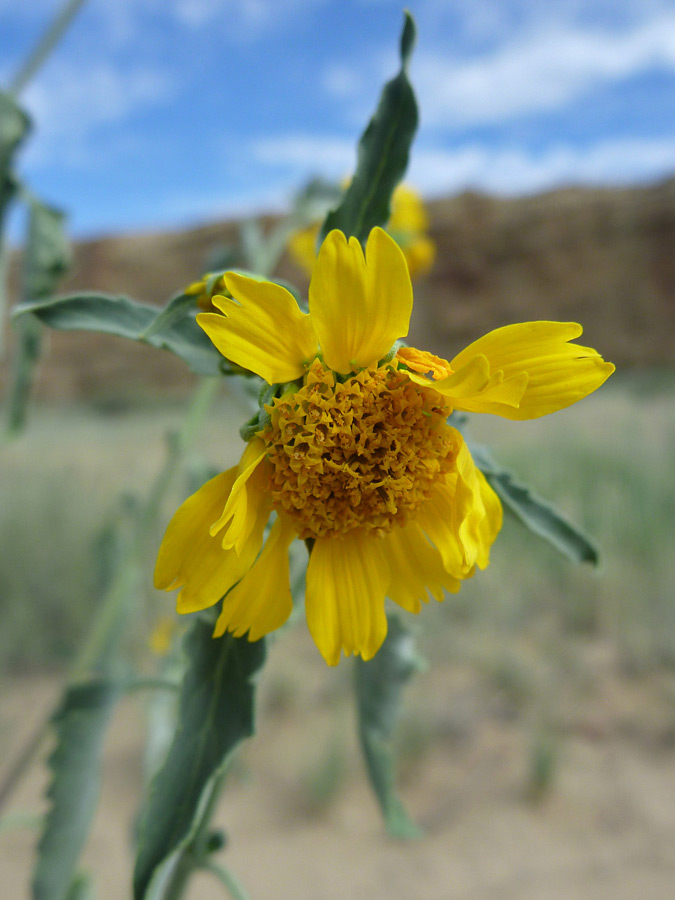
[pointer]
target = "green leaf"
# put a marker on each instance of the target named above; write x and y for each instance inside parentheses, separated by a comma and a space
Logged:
(82, 888)
(14, 125)
(535, 513)
(215, 714)
(47, 256)
(173, 328)
(75, 764)
(379, 689)
(27, 351)
(383, 153)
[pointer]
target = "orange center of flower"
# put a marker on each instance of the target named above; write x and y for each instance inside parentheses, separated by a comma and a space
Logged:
(359, 454)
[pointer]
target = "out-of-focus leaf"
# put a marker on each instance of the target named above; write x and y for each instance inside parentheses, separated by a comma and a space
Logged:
(82, 888)
(535, 513)
(47, 256)
(215, 714)
(46, 259)
(14, 125)
(382, 154)
(75, 765)
(173, 313)
(379, 689)
(27, 350)
(123, 317)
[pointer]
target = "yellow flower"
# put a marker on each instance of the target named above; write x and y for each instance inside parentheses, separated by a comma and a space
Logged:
(162, 635)
(408, 225)
(204, 290)
(354, 454)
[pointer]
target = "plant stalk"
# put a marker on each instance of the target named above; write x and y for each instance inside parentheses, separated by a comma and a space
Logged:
(44, 46)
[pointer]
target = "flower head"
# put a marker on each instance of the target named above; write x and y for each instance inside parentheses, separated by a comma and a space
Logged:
(203, 290)
(354, 453)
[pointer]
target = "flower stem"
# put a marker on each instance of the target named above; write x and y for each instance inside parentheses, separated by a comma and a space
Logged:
(44, 46)
(232, 884)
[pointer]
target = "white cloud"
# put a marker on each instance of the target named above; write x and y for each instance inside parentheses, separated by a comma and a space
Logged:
(307, 153)
(240, 19)
(74, 100)
(516, 171)
(342, 81)
(544, 71)
(203, 205)
(550, 60)
(505, 170)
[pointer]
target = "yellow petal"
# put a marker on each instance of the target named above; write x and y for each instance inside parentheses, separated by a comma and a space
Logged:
(262, 329)
(415, 567)
(262, 601)
(359, 306)
(462, 516)
(480, 510)
(347, 579)
(424, 363)
(490, 524)
(244, 499)
(440, 518)
(539, 357)
(190, 558)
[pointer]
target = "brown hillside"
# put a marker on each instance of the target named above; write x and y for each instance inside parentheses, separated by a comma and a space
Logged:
(605, 258)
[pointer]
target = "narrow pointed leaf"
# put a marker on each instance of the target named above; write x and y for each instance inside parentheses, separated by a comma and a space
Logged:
(215, 714)
(383, 153)
(537, 514)
(178, 331)
(379, 689)
(75, 765)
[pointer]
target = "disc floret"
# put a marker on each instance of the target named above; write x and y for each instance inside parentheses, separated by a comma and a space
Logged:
(362, 452)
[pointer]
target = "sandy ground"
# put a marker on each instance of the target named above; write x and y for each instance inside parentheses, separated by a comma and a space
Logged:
(606, 831)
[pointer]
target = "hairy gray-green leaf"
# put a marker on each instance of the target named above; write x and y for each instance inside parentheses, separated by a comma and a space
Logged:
(178, 331)
(379, 689)
(215, 714)
(46, 259)
(47, 256)
(75, 765)
(383, 153)
(535, 513)
(14, 125)
(27, 350)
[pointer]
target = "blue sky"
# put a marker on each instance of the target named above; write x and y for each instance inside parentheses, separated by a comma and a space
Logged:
(165, 113)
